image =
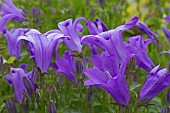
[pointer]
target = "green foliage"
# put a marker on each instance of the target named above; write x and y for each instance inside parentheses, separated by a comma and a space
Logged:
(72, 98)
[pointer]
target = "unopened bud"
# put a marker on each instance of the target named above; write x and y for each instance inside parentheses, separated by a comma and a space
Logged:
(168, 97)
(79, 67)
(169, 67)
(11, 107)
(164, 109)
(1, 62)
(28, 85)
(52, 108)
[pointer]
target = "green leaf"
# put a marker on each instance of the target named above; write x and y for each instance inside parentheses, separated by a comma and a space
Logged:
(134, 85)
(2, 106)
(11, 60)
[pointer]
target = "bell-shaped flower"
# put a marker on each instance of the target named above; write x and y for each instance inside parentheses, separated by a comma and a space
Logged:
(156, 82)
(14, 48)
(109, 76)
(70, 28)
(66, 66)
(10, 11)
(41, 47)
(138, 46)
(144, 28)
(111, 41)
(16, 80)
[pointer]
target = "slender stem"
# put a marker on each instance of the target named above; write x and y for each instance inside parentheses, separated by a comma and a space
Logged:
(122, 109)
(81, 95)
(90, 91)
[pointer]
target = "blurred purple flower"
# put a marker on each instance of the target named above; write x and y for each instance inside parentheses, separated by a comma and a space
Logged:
(167, 18)
(10, 11)
(41, 47)
(111, 41)
(101, 2)
(164, 52)
(36, 13)
(52, 108)
(66, 66)
(16, 80)
(70, 28)
(144, 28)
(166, 32)
(14, 48)
(138, 46)
(168, 97)
(156, 82)
(109, 76)
(11, 107)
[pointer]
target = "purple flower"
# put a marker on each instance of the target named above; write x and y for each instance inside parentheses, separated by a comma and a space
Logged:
(10, 11)
(41, 47)
(70, 28)
(14, 48)
(16, 80)
(11, 107)
(111, 41)
(164, 52)
(138, 46)
(166, 32)
(156, 82)
(144, 28)
(66, 66)
(109, 76)
(167, 18)
(52, 107)
(96, 27)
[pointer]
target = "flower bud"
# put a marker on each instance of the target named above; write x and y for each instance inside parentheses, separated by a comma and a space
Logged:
(164, 109)
(11, 107)
(28, 85)
(79, 67)
(1, 62)
(52, 108)
(168, 97)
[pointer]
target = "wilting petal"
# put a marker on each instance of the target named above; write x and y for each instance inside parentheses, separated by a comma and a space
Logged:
(156, 82)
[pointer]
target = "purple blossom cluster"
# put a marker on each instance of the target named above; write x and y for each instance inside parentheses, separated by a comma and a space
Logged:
(110, 55)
